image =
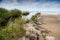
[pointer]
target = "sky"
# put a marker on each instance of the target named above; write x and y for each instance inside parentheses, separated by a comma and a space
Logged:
(33, 6)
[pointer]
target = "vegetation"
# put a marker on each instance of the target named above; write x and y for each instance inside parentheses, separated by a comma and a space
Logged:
(13, 30)
(34, 17)
(16, 27)
(6, 15)
(25, 13)
(12, 23)
(14, 13)
(3, 16)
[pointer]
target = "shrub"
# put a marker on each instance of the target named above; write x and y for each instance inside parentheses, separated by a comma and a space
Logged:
(14, 13)
(6, 15)
(34, 17)
(25, 13)
(3, 16)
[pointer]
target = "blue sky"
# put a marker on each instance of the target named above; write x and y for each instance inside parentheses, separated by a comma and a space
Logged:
(44, 6)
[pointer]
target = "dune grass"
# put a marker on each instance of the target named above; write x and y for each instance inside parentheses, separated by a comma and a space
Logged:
(13, 30)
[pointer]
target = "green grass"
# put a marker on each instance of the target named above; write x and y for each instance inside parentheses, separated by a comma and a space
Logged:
(13, 30)
(12, 24)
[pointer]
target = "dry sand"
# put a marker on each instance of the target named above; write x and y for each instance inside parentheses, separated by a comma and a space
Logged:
(52, 23)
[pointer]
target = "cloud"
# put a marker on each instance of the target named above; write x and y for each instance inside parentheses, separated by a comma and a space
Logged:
(30, 1)
(32, 6)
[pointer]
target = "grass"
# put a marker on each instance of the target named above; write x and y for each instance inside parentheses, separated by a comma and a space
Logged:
(12, 24)
(13, 30)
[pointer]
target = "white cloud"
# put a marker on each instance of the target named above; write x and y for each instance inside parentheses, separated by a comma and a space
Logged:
(33, 6)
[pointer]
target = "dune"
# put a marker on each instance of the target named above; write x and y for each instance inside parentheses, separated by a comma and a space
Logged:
(52, 23)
